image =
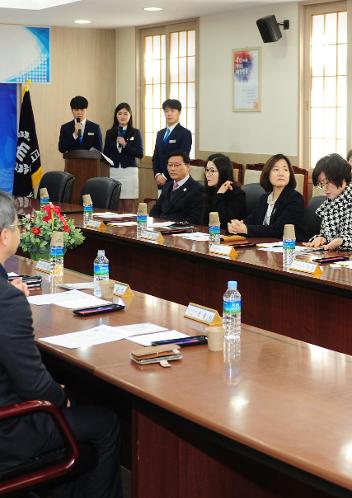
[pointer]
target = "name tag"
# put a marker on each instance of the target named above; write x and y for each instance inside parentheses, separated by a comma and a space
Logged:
(228, 251)
(122, 290)
(96, 225)
(91, 133)
(172, 141)
(43, 265)
(202, 314)
(306, 267)
(153, 236)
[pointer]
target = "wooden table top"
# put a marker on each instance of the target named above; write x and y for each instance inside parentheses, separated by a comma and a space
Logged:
(248, 258)
(283, 397)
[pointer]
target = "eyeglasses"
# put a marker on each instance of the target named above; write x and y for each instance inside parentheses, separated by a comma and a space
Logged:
(19, 225)
(175, 165)
(323, 185)
(210, 171)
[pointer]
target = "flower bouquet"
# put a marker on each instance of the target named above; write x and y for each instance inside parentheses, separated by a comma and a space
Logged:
(38, 227)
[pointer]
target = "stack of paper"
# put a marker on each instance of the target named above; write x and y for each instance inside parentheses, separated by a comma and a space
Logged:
(71, 299)
(198, 236)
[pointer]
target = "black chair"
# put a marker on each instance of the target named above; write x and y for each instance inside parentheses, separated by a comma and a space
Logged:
(105, 192)
(253, 191)
(312, 222)
(59, 185)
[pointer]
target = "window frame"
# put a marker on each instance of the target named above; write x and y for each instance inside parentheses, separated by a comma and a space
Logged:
(166, 29)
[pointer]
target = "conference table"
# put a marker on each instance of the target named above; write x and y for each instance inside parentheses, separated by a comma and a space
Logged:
(315, 309)
(275, 423)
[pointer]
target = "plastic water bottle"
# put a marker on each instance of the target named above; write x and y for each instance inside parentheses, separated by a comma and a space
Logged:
(57, 256)
(288, 246)
(214, 228)
(43, 197)
(231, 318)
(101, 271)
(142, 217)
(87, 213)
(44, 201)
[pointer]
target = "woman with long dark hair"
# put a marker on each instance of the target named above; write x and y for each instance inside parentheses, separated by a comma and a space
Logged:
(223, 194)
(123, 144)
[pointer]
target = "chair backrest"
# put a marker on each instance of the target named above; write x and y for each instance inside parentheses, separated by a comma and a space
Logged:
(197, 173)
(253, 192)
(59, 185)
(311, 220)
(105, 192)
(238, 172)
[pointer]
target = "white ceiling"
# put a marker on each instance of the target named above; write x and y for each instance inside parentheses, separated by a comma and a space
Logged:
(119, 13)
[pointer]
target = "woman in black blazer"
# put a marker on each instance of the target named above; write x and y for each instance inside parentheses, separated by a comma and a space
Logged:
(223, 194)
(123, 144)
(281, 205)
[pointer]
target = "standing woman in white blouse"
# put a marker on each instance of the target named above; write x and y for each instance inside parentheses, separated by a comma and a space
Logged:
(281, 204)
(123, 144)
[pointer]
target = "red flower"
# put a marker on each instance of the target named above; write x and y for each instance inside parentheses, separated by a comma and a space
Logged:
(36, 231)
(66, 229)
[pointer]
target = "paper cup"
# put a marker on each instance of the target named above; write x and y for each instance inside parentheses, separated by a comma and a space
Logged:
(107, 288)
(215, 338)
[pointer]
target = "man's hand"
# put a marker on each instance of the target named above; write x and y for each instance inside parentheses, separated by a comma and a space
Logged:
(17, 282)
(78, 126)
(160, 180)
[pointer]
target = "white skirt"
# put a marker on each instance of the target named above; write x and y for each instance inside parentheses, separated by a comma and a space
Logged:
(129, 181)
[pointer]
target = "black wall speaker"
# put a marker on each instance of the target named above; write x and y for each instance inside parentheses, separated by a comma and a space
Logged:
(269, 29)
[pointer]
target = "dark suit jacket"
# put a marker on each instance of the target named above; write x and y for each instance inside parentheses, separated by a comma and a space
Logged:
(288, 209)
(179, 139)
(127, 157)
(22, 377)
(231, 205)
(91, 137)
(184, 204)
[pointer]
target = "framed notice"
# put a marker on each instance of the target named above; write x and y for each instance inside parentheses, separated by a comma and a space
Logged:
(246, 70)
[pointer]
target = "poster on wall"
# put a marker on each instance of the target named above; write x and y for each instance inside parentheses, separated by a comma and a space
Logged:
(24, 54)
(246, 69)
(8, 135)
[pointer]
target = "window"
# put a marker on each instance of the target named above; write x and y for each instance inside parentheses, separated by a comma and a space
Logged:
(327, 81)
(168, 71)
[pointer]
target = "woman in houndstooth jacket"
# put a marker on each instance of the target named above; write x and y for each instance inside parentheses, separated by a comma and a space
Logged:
(332, 174)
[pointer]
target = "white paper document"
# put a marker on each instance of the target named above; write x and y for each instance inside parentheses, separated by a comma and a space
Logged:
(78, 286)
(71, 299)
(108, 215)
(101, 335)
(147, 339)
(197, 236)
(342, 264)
(123, 224)
(12, 274)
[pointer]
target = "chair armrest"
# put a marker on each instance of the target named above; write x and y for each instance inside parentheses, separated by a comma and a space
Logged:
(53, 471)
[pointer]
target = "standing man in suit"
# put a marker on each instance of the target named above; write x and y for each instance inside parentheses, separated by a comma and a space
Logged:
(23, 376)
(182, 198)
(80, 133)
(170, 139)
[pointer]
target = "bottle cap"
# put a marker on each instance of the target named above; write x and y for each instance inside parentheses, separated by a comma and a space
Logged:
(232, 285)
(289, 232)
(87, 199)
(43, 193)
(142, 208)
(57, 239)
(214, 218)
(101, 252)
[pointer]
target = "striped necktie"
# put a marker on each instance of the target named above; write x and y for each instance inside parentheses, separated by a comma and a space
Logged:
(175, 186)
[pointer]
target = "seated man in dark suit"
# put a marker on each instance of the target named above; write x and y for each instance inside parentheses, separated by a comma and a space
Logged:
(173, 138)
(80, 133)
(23, 376)
(182, 199)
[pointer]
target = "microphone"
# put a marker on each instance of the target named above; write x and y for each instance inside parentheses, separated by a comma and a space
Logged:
(79, 132)
(120, 131)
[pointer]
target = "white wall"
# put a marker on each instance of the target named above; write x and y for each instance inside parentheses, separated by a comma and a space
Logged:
(126, 52)
(275, 128)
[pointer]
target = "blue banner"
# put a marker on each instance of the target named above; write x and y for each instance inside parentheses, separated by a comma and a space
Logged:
(8, 134)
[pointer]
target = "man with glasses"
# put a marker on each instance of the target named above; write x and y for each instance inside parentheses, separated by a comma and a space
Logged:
(182, 198)
(23, 376)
